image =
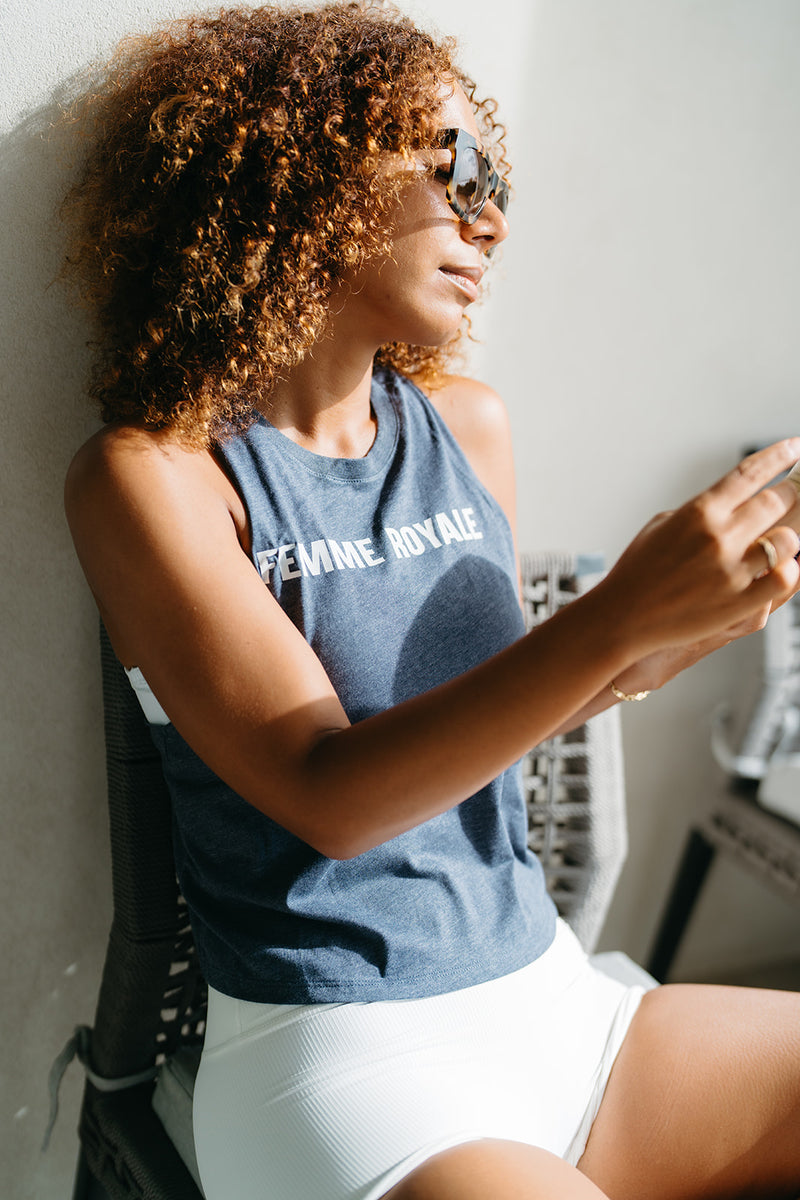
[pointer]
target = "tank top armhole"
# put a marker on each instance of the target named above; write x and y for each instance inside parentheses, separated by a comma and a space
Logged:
(460, 461)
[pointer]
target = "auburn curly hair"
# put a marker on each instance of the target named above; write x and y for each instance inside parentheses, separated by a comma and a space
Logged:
(233, 176)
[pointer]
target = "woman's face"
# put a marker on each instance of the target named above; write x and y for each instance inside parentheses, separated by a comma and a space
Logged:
(419, 295)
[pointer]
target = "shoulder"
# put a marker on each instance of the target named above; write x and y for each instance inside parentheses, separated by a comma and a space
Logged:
(115, 455)
(477, 418)
(124, 464)
(136, 500)
(472, 410)
(115, 450)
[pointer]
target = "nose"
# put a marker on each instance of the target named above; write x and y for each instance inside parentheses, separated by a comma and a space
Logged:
(490, 229)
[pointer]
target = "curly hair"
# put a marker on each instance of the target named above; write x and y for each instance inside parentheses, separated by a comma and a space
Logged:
(234, 175)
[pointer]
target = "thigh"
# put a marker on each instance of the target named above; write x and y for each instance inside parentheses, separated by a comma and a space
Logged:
(703, 1099)
(495, 1170)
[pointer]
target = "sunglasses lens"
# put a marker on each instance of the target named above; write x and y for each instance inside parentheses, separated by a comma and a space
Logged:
(470, 181)
(500, 197)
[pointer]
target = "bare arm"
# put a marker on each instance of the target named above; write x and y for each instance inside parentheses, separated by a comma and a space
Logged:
(158, 542)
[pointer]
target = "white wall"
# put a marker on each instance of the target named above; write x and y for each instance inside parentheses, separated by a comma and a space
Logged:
(642, 327)
(647, 331)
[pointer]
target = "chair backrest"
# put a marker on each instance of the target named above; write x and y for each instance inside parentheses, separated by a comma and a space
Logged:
(152, 996)
(574, 783)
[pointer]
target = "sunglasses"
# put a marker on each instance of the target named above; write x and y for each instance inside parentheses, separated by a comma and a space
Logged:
(471, 179)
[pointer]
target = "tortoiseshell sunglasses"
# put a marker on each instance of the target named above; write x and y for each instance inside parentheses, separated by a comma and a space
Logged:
(471, 179)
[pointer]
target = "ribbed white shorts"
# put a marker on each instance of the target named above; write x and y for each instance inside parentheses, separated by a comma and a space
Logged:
(341, 1101)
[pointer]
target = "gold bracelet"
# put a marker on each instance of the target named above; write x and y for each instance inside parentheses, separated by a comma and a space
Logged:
(627, 695)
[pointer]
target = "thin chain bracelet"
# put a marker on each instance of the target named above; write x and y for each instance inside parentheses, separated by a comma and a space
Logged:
(627, 695)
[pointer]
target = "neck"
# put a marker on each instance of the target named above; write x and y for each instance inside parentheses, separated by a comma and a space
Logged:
(323, 403)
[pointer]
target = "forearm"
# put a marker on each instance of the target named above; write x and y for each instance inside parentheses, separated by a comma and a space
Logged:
(603, 700)
(373, 780)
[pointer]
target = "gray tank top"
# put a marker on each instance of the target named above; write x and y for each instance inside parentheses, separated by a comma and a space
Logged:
(399, 570)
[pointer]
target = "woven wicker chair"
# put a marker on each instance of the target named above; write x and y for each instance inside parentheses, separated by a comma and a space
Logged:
(151, 1005)
(575, 783)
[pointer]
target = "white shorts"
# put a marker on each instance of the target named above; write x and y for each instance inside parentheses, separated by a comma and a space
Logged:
(341, 1101)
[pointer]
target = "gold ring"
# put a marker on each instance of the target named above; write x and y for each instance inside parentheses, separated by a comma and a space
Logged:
(770, 551)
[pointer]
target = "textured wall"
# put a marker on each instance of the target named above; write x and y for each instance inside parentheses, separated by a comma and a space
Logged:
(642, 327)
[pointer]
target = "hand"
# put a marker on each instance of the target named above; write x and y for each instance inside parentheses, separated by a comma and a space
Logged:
(694, 575)
(656, 669)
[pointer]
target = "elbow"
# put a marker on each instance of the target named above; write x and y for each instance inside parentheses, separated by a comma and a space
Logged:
(339, 853)
(335, 816)
(325, 829)
(323, 801)
(340, 845)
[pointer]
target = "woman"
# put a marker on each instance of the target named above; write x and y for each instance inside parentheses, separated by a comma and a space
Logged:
(298, 529)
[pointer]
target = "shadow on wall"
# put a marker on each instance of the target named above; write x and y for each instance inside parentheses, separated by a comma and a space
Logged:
(43, 338)
(54, 854)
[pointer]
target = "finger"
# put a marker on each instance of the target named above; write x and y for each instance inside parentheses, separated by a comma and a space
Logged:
(768, 552)
(792, 517)
(767, 509)
(775, 587)
(755, 471)
(788, 594)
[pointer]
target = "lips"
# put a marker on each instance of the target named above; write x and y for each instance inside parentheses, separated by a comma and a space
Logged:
(465, 278)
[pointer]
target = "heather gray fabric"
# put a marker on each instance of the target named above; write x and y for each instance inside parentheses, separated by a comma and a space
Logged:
(399, 570)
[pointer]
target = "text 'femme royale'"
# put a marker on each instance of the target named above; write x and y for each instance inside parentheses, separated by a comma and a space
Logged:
(295, 559)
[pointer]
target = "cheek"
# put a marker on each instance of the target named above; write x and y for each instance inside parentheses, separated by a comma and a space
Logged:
(425, 222)
(409, 266)
(419, 253)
